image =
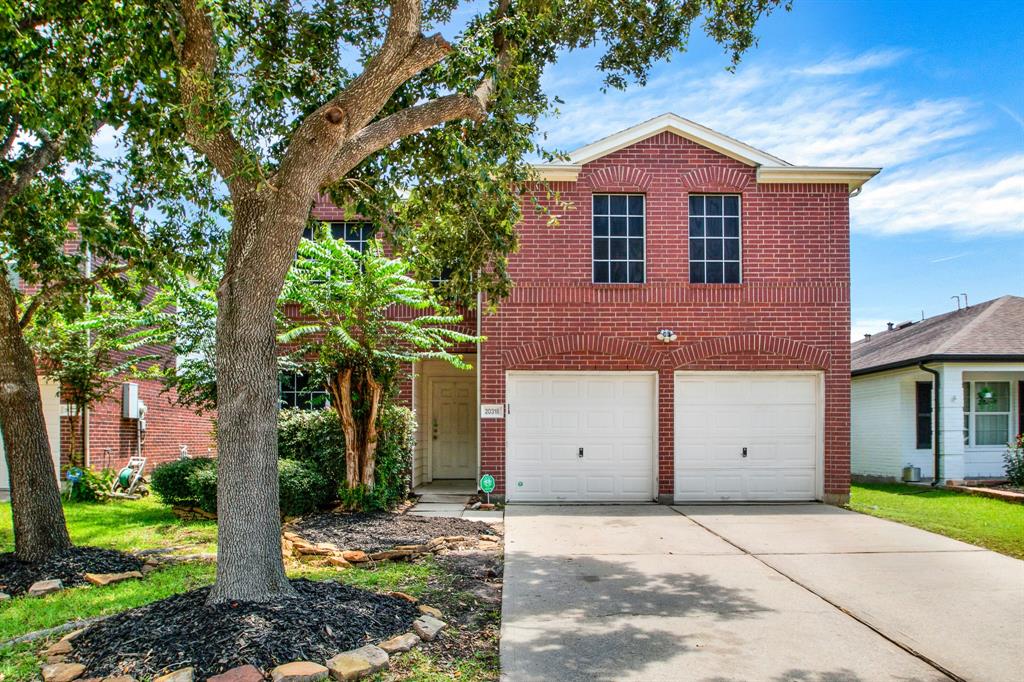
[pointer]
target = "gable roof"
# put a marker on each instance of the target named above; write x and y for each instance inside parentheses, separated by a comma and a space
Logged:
(769, 168)
(993, 330)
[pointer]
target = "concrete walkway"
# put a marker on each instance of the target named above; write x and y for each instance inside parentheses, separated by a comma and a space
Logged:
(787, 592)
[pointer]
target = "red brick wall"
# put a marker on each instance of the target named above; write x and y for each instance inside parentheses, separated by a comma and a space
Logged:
(790, 312)
(112, 440)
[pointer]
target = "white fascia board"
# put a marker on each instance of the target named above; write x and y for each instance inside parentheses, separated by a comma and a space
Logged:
(854, 178)
(706, 137)
(557, 172)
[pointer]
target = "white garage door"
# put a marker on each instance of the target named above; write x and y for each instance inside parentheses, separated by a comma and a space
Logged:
(747, 436)
(580, 436)
(51, 414)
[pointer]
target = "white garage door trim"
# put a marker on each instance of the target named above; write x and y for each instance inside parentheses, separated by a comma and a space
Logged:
(680, 471)
(511, 439)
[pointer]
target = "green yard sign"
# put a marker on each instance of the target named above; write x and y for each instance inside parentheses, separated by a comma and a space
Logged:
(487, 483)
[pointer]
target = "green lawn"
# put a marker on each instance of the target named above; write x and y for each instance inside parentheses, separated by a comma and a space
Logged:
(990, 523)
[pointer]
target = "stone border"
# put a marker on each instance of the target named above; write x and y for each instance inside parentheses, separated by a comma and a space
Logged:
(294, 546)
(346, 665)
(995, 493)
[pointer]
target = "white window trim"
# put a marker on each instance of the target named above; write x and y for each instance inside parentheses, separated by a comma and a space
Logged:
(739, 239)
(970, 402)
(610, 260)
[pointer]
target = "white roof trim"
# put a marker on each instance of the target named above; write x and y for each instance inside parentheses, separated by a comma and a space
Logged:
(706, 137)
(557, 172)
(854, 178)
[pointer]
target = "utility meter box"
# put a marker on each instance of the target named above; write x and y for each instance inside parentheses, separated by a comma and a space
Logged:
(130, 400)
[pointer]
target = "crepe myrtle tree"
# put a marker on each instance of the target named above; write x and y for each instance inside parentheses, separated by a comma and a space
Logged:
(290, 101)
(73, 214)
(351, 339)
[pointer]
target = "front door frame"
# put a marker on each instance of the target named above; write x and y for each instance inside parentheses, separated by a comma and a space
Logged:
(470, 379)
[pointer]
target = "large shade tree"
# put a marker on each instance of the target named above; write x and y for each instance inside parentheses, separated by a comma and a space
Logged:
(75, 214)
(425, 134)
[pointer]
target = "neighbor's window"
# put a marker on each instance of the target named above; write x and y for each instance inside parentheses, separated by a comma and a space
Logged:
(355, 233)
(714, 239)
(296, 391)
(986, 412)
(924, 415)
(619, 228)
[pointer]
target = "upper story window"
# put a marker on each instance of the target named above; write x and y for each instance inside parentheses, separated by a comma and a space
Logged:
(356, 233)
(714, 239)
(296, 391)
(619, 227)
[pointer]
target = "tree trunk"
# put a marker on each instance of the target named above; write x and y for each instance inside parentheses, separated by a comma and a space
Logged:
(249, 563)
(369, 445)
(39, 526)
(342, 390)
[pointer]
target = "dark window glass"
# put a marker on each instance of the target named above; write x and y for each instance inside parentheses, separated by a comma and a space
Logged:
(620, 258)
(924, 415)
(714, 259)
(296, 391)
(355, 234)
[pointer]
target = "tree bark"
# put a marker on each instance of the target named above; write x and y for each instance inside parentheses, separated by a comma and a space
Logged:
(368, 465)
(39, 526)
(342, 391)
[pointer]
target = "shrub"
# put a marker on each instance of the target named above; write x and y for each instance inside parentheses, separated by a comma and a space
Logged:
(313, 437)
(203, 484)
(93, 486)
(302, 488)
(1014, 462)
(173, 481)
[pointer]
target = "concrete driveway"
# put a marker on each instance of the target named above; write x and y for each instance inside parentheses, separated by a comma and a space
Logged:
(780, 592)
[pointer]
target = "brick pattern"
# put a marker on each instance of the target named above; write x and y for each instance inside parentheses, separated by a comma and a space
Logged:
(790, 312)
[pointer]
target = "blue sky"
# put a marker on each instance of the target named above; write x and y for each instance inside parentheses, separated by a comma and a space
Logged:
(931, 91)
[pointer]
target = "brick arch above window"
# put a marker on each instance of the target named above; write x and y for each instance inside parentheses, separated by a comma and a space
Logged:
(581, 343)
(718, 346)
(716, 179)
(618, 179)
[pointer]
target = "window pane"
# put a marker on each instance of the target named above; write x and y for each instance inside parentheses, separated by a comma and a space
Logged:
(993, 396)
(696, 227)
(618, 227)
(732, 249)
(732, 273)
(696, 273)
(600, 249)
(992, 429)
(714, 227)
(967, 397)
(636, 204)
(714, 272)
(601, 203)
(618, 249)
(636, 249)
(618, 271)
(600, 226)
(732, 205)
(696, 249)
(636, 273)
(713, 205)
(714, 249)
(696, 205)
(600, 271)
(732, 227)
(967, 429)
(924, 415)
(636, 227)
(617, 204)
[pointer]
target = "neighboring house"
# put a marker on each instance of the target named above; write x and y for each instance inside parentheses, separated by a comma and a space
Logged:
(978, 355)
(681, 335)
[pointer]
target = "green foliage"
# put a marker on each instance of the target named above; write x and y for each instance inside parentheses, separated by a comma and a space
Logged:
(394, 457)
(313, 437)
(193, 483)
(174, 481)
(93, 485)
(1014, 462)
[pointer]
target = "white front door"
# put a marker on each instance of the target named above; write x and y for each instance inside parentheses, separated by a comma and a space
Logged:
(747, 436)
(453, 428)
(50, 394)
(580, 436)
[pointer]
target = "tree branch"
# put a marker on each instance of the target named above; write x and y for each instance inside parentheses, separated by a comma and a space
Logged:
(104, 272)
(198, 56)
(48, 151)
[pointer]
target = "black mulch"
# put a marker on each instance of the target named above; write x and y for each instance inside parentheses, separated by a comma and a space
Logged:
(373, 532)
(69, 567)
(325, 619)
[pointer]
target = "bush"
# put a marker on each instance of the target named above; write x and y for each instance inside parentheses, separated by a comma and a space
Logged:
(315, 438)
(92, 487)
(1014, 459)
(173, 481)
(204, 489)
(303, 489)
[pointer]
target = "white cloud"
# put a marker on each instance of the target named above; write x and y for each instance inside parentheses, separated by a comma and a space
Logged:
(860, 327)
(829, 114)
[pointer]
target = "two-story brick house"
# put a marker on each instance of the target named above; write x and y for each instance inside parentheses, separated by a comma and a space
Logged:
(681, 335)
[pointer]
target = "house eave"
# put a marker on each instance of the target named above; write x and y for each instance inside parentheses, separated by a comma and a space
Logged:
(913, 362)
(853, 178)
(557, 172)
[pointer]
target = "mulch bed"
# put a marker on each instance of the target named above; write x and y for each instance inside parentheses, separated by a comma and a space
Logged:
(69, 567)
(373, 532)
(326, 618)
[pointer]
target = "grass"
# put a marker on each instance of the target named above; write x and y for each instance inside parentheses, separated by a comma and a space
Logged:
(126, 525)
(994, 524)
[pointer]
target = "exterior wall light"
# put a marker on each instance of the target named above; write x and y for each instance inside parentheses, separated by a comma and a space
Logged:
(666, 335)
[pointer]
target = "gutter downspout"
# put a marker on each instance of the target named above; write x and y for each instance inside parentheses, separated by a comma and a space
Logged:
(935, 410)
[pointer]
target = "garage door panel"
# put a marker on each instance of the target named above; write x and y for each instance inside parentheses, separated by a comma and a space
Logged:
(611, 416)
(774, 416)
